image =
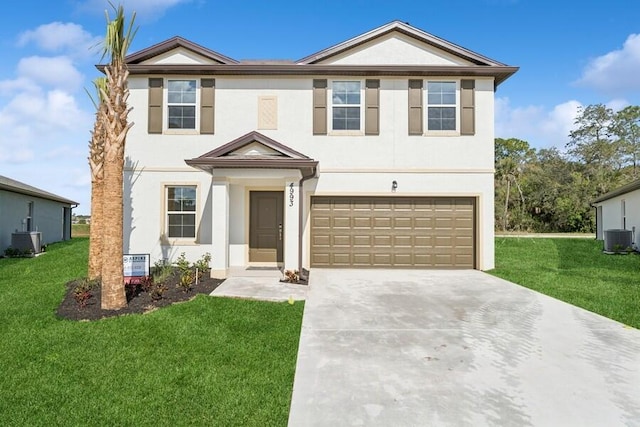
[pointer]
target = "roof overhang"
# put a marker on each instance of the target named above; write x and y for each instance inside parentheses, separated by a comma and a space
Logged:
(632, 186)
(499, 73)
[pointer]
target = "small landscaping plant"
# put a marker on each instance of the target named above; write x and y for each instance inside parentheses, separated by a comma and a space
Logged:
(82, 292)
(182, 263)
(291, 276)
(186, 279)
(157, 291)
(202, 265)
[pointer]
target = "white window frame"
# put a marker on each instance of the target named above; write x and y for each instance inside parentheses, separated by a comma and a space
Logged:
(167, 213)
(361, 106)
(196, 105)
(447, 132)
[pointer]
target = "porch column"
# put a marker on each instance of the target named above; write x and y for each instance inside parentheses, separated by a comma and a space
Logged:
(291, 221)
(220, 229)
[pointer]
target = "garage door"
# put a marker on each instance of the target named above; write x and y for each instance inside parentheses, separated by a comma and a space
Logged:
(398, 232)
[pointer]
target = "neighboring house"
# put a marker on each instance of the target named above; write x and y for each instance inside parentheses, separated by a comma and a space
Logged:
(375, 152)
(24, 209)
(619, 210)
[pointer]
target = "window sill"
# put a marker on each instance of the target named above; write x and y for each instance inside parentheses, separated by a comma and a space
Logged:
(181, 132)
(179, 242)
(346, 133)
(442, 133)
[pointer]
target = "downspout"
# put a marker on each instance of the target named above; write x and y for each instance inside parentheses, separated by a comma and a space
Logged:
(301, 220)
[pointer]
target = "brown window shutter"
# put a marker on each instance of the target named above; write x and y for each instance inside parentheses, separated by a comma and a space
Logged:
(372, 107)
(155, 105)
(415, 107)
(468, 108)
(207, 98)
(319, 106)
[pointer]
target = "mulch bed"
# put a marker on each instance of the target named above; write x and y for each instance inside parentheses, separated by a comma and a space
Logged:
(141, 302)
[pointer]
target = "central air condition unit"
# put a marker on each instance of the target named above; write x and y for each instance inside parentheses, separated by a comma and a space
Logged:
(27, 241)
(617, 240)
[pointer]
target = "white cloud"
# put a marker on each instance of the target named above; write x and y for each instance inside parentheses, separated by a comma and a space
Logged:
(540, 127)
(57, 71)
(615, 72)
(62, 37)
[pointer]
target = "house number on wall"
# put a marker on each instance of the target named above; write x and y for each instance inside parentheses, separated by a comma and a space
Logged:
(291, 194)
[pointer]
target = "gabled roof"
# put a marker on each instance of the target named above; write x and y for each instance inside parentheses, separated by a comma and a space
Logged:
(408, 30)
(274, 156)
(632, 186)
(313, 65)
(14, 186)
(173, 43)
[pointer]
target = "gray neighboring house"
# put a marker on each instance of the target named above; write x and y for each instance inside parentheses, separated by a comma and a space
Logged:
(27, 210)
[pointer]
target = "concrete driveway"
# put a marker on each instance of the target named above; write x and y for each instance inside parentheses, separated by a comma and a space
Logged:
(457, 348)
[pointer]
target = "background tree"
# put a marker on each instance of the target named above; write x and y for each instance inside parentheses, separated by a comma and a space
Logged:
(96, 166)
(511, 159)
(117, 41)
(625, 127)
(591, 144)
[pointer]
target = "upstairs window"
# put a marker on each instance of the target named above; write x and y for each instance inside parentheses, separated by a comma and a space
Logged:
(441, 106)
(181, 211)
(181, 102)
(346, 105)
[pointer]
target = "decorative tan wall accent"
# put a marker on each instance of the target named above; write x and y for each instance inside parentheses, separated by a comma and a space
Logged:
(267, 112)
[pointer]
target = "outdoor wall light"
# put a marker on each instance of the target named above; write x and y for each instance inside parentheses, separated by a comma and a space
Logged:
(394, 185)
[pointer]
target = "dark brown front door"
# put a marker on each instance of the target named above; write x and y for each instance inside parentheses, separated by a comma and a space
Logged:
(266, 226)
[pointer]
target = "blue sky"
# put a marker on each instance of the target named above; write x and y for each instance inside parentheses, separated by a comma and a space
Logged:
(572, 53)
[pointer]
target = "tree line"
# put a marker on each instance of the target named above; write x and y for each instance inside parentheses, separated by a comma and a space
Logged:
(549, 190)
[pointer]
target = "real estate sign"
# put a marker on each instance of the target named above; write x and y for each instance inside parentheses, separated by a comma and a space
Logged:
(136, 266)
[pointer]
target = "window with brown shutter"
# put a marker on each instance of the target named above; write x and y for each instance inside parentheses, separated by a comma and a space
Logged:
(207, 111)
(468, 110)
(319, 106)
(415, 107)
(372, 107)
(155, 105)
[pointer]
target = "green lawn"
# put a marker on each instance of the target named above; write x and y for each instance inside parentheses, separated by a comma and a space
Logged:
(575, 271)
(210, 361)
(80, 230)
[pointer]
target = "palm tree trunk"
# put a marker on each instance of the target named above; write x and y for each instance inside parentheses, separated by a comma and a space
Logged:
(117, 41)
(117, 126)
(96, 164)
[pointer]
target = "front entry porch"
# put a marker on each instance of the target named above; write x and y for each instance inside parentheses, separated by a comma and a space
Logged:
(255, 203)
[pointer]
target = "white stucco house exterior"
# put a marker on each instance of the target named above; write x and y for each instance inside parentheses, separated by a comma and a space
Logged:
(375, 152)
(619, 209)
(34, 215)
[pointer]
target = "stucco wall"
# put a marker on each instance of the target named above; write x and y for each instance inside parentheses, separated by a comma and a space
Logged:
(48, 217)
(612, 214)
(425, 165)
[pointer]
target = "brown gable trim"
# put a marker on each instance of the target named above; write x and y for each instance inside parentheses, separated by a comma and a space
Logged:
(500, 73)
(173, 43)
(407, 30)
(635, 185)
(291, 160)
(248, 139)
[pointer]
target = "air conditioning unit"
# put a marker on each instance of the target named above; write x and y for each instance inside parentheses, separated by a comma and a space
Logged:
(617, 240)
(27, 241)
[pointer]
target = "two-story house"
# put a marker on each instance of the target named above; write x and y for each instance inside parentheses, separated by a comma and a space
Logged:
(375, 152)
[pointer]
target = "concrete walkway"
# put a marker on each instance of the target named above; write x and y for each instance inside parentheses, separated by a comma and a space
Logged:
(457, 348)
(259, 284)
